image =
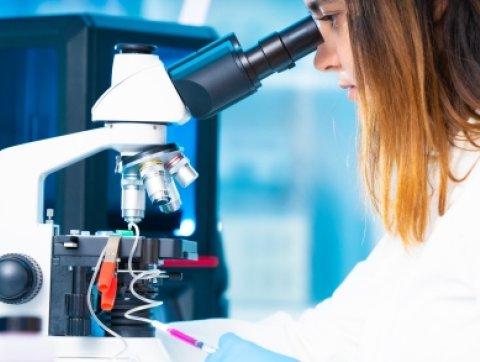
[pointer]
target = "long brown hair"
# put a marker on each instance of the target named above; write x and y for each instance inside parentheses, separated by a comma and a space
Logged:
(417, 65)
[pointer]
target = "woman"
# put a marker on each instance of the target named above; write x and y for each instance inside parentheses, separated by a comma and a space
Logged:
(413, 66)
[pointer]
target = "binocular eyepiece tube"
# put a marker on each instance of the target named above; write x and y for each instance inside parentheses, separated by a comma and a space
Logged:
(222, 74)
(279, 51)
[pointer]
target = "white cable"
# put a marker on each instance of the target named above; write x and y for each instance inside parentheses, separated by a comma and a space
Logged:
(150, 304)
(94, 316)
(145, 275)
(134, 247)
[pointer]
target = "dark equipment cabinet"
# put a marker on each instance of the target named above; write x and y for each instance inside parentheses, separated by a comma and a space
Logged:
(52, 70)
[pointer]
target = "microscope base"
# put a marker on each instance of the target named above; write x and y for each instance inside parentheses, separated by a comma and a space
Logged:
(76, 349)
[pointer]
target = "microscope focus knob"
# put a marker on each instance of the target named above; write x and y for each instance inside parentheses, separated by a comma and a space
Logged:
(20, 278)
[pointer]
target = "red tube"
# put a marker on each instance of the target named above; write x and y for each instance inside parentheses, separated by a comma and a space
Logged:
(202, 262)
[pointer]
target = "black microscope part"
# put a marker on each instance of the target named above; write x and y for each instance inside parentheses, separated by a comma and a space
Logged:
(150, 250)
(279, 51)
(132, 48)
(127, 327)
(221, 74)
(76, 310)
(168, 147)
(20, 278)
(73, 257)
(20, 324)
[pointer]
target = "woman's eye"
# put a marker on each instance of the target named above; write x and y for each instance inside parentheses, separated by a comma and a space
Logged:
(331, 18)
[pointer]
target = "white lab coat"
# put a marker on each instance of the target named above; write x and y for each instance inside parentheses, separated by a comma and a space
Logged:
(416, 304)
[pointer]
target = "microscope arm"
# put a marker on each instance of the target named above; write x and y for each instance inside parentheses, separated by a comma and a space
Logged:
(22, 180)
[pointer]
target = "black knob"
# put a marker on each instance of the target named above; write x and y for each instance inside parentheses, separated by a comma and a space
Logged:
(20, 278)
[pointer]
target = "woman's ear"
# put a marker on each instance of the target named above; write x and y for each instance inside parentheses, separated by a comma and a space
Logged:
(439, 9)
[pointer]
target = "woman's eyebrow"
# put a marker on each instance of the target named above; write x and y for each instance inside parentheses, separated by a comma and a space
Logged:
(315, 5)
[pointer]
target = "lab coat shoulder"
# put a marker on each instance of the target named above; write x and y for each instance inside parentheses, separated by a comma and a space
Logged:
(334, 329)
(455, 237)
(461, 225)
(331, 330)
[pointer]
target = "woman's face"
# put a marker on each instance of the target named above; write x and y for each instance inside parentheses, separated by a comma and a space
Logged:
(335, 53)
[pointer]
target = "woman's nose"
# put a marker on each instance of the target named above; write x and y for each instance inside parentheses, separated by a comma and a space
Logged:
(326, 58)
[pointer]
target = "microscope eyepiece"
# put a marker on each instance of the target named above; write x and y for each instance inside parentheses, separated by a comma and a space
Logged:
(280, 50)
(221, 74)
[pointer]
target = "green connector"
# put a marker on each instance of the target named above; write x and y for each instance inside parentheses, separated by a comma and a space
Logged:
(125, 232)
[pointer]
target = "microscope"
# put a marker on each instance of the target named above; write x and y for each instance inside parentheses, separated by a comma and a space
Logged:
(46, 273)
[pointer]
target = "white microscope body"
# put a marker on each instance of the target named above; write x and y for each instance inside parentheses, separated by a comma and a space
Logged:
(136, 110)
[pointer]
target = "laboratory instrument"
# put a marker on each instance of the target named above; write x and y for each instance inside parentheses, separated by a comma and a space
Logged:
(45, 272)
